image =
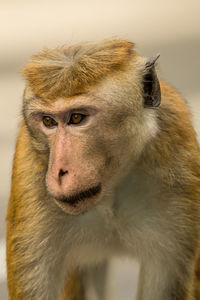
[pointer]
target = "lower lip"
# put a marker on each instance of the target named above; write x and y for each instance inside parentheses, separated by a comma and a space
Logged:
(83, 196)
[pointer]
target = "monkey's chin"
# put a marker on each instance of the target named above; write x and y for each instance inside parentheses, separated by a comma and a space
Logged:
(81, 202)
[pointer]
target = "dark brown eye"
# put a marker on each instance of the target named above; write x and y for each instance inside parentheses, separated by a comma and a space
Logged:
(49, 122)
(76, 118)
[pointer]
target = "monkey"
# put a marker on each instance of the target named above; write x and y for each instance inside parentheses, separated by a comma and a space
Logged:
(107, 164)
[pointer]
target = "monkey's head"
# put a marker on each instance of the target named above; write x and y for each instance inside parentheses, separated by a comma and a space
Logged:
(86, 108)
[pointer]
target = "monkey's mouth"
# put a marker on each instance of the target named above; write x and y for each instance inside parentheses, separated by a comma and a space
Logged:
(76, 198)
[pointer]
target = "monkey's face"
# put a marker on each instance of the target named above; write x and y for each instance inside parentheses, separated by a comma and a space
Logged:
(90, 126)
(85, 148)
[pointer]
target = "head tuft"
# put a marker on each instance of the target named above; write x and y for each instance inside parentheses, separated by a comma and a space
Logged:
(65, 71)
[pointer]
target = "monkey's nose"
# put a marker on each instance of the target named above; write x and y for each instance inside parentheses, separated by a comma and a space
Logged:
(62, 173)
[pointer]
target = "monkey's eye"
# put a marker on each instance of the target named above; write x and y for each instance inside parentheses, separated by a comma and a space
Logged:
(49, 122)
(76, 118)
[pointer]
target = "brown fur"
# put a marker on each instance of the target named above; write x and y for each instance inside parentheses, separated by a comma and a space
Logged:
(176, 142)
(66, 71)
(73, 289)
(172, 159)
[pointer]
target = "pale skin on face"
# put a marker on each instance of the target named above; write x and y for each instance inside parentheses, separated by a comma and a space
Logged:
(62, 178)
(70, 146)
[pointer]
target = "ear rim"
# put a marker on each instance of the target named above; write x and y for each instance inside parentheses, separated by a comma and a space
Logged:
(151, 61)
(153, 99)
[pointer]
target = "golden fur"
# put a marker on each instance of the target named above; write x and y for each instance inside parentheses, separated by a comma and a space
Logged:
(170, 159)
(66, 71)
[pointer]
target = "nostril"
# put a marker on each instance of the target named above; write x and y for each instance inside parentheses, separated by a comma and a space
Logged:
(62, 173)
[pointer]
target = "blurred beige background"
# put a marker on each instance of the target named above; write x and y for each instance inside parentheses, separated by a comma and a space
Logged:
(170, 27)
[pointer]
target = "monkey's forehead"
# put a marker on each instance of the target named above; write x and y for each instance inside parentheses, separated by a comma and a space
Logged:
(66, 71)
(111, 90)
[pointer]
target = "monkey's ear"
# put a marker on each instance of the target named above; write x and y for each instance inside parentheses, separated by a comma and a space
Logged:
(151, 86)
